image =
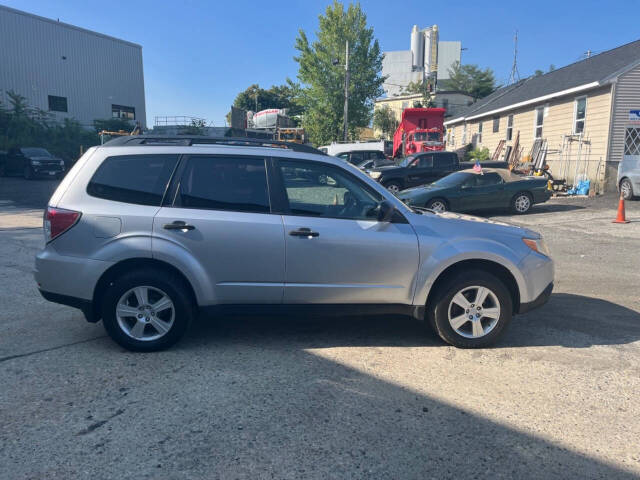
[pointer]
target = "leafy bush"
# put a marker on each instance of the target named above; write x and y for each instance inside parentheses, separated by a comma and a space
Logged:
(24, 126)
(479, 154)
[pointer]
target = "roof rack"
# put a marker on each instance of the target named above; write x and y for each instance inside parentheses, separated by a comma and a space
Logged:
(188, 140)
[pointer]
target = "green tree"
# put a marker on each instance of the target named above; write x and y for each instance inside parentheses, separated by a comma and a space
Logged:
(385, 120)
(479, 154)
(470, 79)
(196, 127)
(113, 125)
(322, 91)
(278, 96)
(423, 88)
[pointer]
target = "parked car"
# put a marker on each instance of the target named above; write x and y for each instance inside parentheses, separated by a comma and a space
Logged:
(370, 164)
(145, 233)
(629, 177)
(31, 162)
(357, 157)
(469, 190)
(421, 169)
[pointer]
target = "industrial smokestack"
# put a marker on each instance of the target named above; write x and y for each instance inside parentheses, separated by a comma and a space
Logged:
(417, 48)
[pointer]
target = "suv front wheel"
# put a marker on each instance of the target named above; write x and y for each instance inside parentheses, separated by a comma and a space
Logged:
(147, 310)
(472, 310)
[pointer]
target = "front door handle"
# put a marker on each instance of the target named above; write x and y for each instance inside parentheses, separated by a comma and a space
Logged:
(178, 225)
(304, 232)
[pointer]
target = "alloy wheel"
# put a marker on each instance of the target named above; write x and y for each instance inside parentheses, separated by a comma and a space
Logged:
(474, 312)
(438, 206)
(625, 189)
(522, 203)
(145, 313)
(393, 188)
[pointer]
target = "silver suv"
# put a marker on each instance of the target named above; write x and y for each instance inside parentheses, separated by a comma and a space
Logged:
(146, 233)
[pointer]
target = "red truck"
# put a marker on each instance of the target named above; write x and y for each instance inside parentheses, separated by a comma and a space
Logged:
(421, 130)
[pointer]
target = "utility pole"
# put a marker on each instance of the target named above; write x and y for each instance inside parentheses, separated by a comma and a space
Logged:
(256, 95)
(588, 53)
(346, 93)
(515, 75)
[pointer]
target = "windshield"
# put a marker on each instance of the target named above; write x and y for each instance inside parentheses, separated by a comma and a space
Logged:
(453, 179)
(35, 152)
(427, 136)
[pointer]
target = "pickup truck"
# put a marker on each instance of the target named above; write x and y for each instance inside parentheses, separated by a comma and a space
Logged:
(422, 168)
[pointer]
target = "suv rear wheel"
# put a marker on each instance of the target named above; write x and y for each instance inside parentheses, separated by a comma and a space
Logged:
(472, 310)
(147, 310)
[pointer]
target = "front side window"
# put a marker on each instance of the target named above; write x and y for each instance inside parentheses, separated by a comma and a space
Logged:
(139, 179)
(539, 121)
(224, 183)
(509, 127)
(488, 179)
(580, 114)
(321, 190)
(356, 158)
(57, 104)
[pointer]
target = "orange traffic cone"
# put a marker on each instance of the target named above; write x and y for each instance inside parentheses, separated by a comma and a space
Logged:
(621, 215)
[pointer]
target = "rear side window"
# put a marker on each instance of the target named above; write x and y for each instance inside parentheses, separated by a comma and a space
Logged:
(224, 183)
(139, 179)
(440, 161)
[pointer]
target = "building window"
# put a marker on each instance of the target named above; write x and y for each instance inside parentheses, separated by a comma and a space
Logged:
(120, 111)
(453, 136)
(509, 127)
(57, 104)
(479, 137)
(405, 105)
(539, 122)
(579, 114)
(496, 124)
(464, 134)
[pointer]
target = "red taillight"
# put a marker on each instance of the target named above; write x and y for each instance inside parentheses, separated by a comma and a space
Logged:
(57, 221)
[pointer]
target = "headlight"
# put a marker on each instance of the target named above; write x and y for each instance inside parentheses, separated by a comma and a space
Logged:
(537, 245)
(375, 175)
(35, 162)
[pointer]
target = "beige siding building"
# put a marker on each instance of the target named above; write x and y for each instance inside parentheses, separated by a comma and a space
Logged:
(582, 111)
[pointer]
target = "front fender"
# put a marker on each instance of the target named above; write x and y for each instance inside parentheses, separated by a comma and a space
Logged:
(439, 258)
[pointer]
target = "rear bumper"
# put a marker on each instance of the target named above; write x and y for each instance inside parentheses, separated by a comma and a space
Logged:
(538, 302)
(86, 306)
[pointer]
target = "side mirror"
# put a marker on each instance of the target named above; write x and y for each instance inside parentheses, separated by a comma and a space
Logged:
(385, 211)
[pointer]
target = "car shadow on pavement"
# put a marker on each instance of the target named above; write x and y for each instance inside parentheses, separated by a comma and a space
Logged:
(566, 320)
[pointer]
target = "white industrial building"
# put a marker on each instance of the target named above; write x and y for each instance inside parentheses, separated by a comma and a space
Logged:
(69, 71)
(428, 58)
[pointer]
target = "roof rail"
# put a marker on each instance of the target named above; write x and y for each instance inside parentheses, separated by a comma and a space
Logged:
(189, 140)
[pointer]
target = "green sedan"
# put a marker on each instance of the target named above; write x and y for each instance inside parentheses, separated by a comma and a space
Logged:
(471, 190)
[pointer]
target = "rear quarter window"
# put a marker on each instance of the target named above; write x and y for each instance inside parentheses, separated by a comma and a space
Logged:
(138, 179)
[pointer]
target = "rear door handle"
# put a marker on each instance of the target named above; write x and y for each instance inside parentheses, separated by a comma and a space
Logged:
(304, 232)
(178, 225)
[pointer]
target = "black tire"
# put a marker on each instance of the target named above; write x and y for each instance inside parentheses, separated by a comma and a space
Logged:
(28, 173)
(393, 186)
(517, 203)
(169, 284)
(434, 202)
(626, 189)
(438, 316)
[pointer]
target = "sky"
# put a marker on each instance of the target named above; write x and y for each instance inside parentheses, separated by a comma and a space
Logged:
(199, 54)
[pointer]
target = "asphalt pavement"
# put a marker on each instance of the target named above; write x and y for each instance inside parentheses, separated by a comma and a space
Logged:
(374, 397)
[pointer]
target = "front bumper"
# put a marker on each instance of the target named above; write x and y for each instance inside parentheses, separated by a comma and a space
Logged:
(538, 302)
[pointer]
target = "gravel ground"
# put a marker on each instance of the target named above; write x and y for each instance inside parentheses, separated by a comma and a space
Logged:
(331, 398)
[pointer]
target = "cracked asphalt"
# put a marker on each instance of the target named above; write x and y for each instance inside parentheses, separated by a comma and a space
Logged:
(375, 397)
